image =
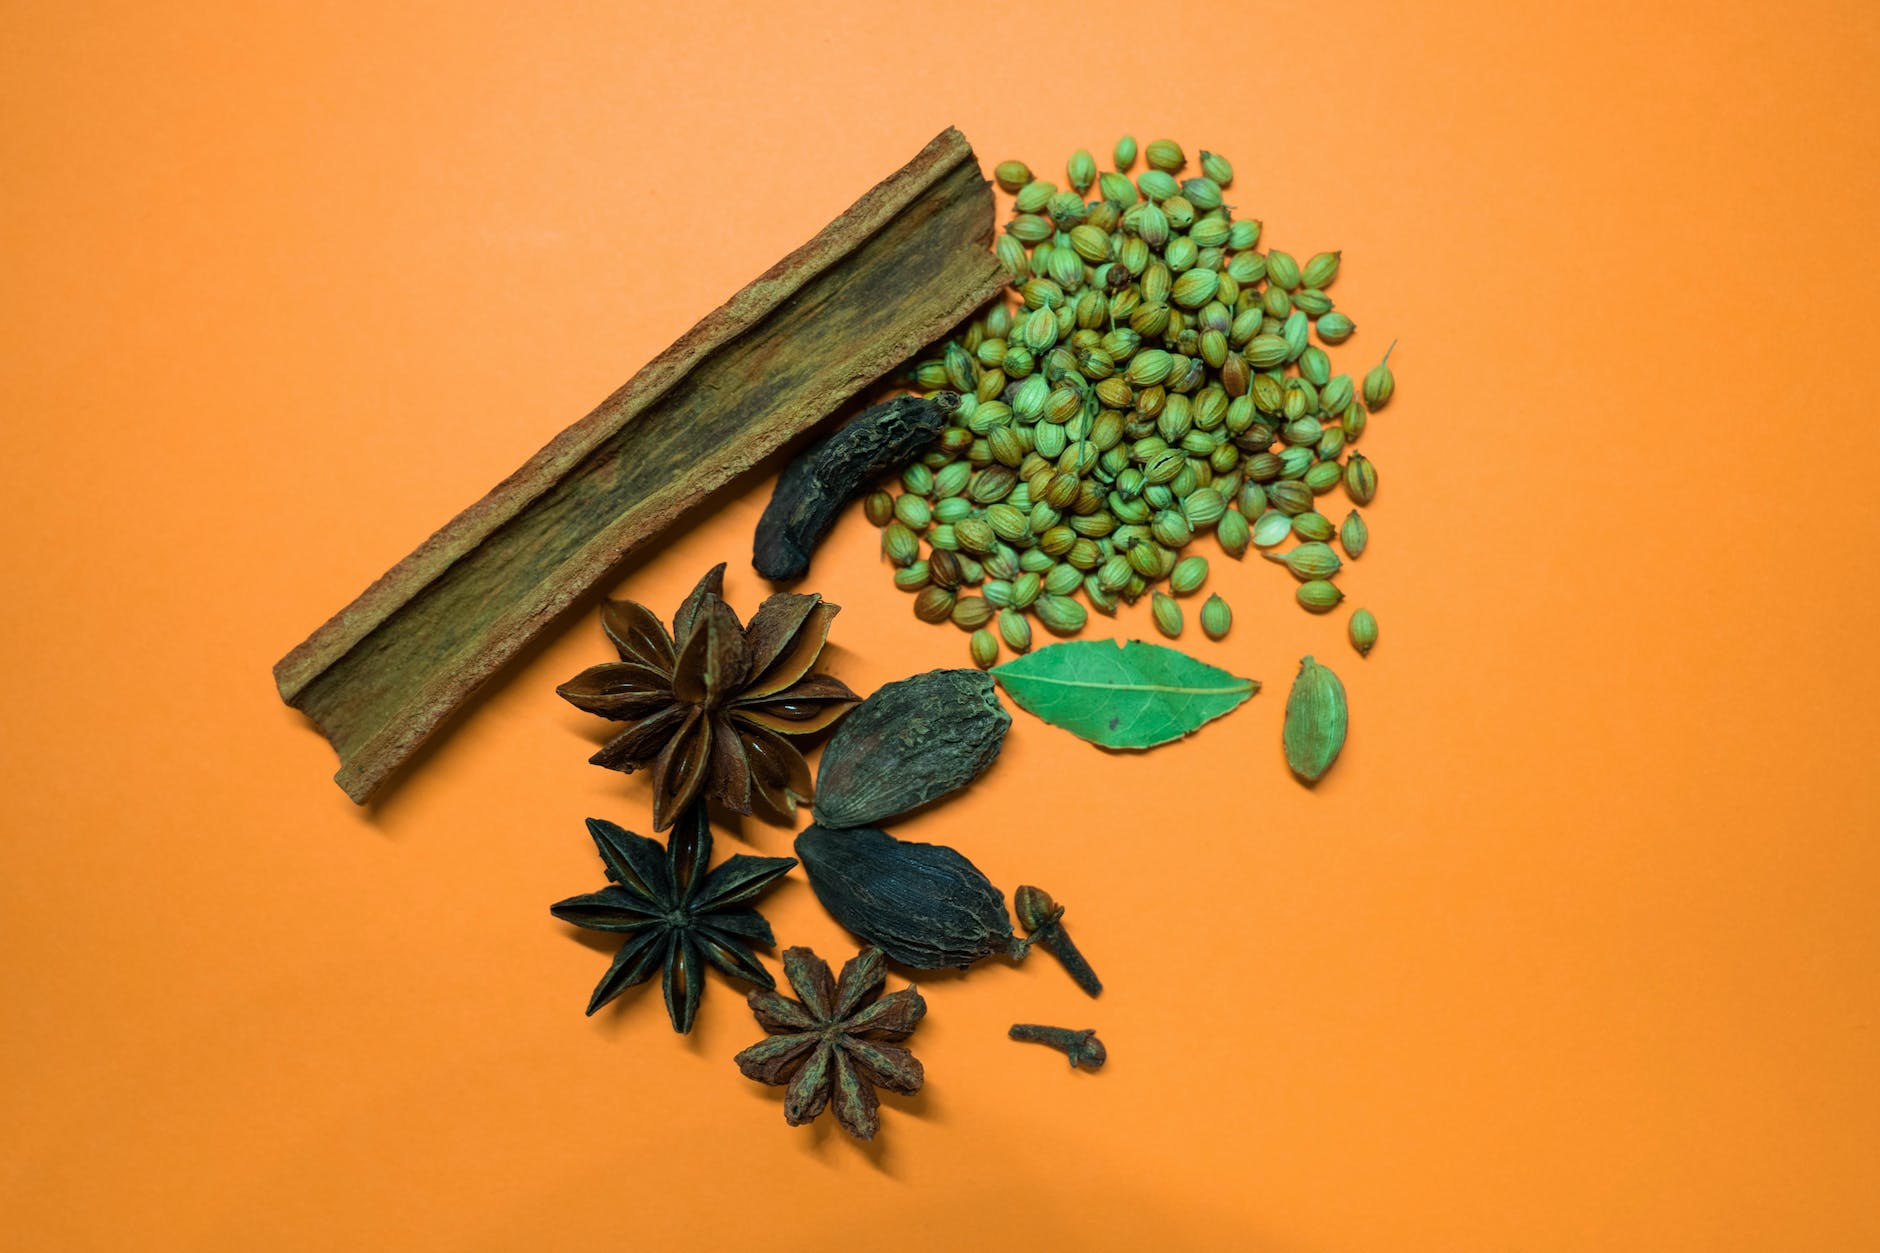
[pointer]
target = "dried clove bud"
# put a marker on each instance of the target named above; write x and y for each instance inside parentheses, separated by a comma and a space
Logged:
(813, 488)
(1041, 917)
(1082, 1047)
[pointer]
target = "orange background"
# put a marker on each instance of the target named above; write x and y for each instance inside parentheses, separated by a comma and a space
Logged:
(1576, 948)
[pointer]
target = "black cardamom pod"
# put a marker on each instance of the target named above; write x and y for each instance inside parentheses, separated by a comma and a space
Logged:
(924, 905)
(813, 488)
(909, 744)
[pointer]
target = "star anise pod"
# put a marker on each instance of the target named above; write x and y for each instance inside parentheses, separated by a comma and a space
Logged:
(712, 707)
(835, 1043)
(675, 913)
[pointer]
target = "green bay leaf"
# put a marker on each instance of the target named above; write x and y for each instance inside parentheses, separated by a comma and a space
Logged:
(1138, 695)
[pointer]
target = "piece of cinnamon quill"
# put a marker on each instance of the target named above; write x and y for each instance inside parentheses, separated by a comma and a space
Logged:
(897, 270)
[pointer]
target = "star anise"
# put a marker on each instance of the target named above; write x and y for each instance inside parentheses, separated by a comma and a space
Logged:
(836, 1042)
(712, 707)
(674, 913)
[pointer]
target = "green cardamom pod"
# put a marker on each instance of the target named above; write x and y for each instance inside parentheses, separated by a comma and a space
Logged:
(1271, 528)
(1315, 723)
(1059, 614)
(1335, 396)
(1265, 352)
(1011, 175)
(1380, 383)
(1015, 630)
(1062, 580)
(984, 647)
(975, 535)
(1354, 534)
(971, 612)
(1290, 496)
(1233, 533)
(1034, 195)
(1167, 614)
(1319, 595)
(1157, 185)
(898, 543)
(913, 511)
(1165, 154)
(1203, 193)
(1354, 420)
(1216, 618)
(1115, 187)
(1008, 523)
(952, 478)
(962, 371)
(1010, 250)
(1294, 332)
(1321, 269)
(1312, 525)
(917, 479)
(934, 604)
(1313, 301)
(1301, 430)
(1188, 575)
(1363, 631)
(1281, 270)
(1335, 327)
(1203, 508)
(1360, 479)
(1324, 475)
(1308, 561)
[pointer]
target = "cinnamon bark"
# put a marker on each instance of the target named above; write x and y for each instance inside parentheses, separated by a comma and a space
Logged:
(898, 269)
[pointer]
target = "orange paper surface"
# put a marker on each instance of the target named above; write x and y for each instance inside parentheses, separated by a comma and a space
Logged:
(1575, 948)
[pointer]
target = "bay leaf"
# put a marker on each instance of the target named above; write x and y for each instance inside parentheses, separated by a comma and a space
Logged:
(1138, 695)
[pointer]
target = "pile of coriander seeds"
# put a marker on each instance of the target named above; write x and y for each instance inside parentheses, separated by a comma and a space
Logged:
(1157, 378)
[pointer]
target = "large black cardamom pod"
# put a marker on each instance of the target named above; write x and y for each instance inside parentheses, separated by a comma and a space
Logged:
(910, 743)
(812, 489)
(924, 905)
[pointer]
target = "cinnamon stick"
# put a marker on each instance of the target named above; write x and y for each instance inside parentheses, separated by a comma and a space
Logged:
(898, 269)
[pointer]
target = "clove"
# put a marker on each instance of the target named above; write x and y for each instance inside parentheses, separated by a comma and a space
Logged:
(1082, 1047)
(1040, 916)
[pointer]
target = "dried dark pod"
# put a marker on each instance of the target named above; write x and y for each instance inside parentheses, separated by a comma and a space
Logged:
(812, 489)
(909, 744)
(924, 905)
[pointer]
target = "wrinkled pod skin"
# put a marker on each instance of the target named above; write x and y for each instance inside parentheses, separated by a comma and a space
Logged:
(909, 744)
(924, 905)
(813, 488)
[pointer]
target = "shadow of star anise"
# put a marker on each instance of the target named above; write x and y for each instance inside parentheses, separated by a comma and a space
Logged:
(713, 706)
(837, 1042)
(676, 914)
